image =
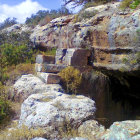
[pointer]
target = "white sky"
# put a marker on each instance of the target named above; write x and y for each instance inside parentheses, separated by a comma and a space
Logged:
(25, 9)
(21, 11)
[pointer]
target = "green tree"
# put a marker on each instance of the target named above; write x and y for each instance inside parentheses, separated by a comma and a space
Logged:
(8, 22)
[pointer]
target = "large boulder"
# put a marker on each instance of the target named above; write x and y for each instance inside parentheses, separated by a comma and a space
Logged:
(30, 84)
(125, 130)
(56, 109)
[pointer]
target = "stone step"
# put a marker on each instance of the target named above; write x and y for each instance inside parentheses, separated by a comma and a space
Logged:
(49, 68)
(45, 59)
(49, 78)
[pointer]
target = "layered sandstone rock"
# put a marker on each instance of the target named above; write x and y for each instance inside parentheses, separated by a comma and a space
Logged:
(77, 57)
(113, 34)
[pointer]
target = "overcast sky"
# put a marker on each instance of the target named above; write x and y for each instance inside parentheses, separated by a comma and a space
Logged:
(21, 9)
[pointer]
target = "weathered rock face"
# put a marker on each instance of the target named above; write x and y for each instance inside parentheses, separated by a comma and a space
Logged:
(79, 58)
(125, 130)
(52, 109)
(113, 34)
(30, 84)
(72, 57)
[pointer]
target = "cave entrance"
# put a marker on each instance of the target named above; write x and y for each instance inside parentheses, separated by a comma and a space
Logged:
(116, 99)
(121, 101)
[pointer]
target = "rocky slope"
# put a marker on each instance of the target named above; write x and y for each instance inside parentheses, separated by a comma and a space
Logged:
(53, 111)
(111, 33)
(102, 37)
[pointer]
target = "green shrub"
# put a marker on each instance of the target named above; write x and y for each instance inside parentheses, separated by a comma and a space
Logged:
(125, 60)
(72, 78)
(13, 55)
(138, 32)
(4, 104)
(134, 4)
(90, 4)
(84, 15)
(133, 62)
(129, 4)
(51, 52)
(125, 4)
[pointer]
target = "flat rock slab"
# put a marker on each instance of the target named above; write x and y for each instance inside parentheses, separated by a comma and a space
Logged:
(49, 68)
(49, 78)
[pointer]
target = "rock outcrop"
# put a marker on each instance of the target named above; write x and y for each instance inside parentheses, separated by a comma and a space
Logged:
(125, 130)
(113, 34)
(107, 39)
(76, 57)
(54, 109)
(17, 28)
(30, 84)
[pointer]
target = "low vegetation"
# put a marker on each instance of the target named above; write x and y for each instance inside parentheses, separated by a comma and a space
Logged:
(84, 15)
(71, 78)
(132, 59)
(5, 108)
(16, 58)
(50, 52)
(68, 130)
(22, 133)
(133, 4)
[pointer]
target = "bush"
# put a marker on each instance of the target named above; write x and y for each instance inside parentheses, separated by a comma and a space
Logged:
(4, 104)
(84, 15)
(13, 55)
(72, 78)
(134, 4)
(129, 4)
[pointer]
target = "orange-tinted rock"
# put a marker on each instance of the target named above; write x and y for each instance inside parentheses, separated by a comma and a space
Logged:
(45, 59)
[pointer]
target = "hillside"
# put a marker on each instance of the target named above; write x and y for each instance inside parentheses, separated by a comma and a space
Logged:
(75, 77)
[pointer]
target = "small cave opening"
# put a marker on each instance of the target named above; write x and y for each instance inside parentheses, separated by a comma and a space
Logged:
(117, 99)
(121, 101)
